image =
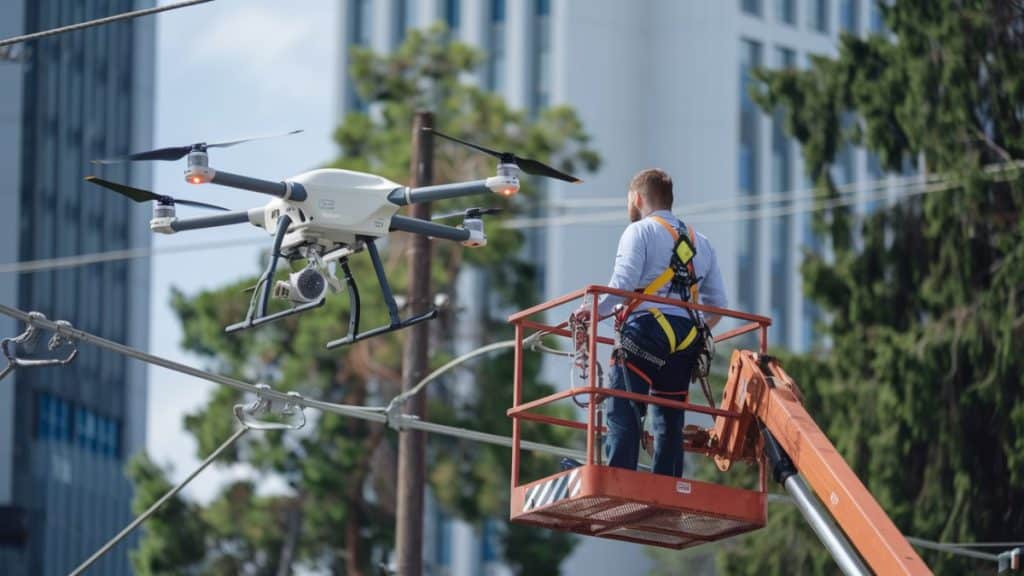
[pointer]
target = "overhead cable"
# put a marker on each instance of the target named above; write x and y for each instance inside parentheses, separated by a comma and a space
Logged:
(98, 22)
(375, 414)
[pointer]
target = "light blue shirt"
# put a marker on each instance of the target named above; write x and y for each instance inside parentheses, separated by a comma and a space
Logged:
(644, 252)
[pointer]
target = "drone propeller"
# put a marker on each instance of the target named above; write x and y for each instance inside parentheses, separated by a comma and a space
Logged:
(140, 195)
(527, 165)
(179, 152)
(469, 213)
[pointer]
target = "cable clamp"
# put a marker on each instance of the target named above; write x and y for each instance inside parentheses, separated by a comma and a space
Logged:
(27, 340)
(255, 415)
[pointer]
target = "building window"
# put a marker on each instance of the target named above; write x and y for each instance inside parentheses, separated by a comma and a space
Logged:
(403, 19)
(785, 11)
(542, 54)
(782, 184)
(876, 189)
(53, 418)
(443, 540)
(817, 15)
(362, 26)
(59, 420)
(496, 58)
(750, 117)
(451, 14)
(876, 20)
(752, 7)
(489, 542)
(849, 16)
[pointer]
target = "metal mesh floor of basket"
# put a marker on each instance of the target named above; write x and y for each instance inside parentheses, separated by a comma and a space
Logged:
(638, 507)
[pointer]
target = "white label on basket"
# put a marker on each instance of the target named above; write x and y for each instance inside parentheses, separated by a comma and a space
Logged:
(683, 487)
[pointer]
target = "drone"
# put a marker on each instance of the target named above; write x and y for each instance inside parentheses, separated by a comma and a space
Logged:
(324, 217)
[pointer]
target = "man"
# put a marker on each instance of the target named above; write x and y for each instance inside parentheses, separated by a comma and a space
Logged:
(659, 344)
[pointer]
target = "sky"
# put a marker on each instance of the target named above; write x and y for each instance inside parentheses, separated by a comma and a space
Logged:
(226, 70)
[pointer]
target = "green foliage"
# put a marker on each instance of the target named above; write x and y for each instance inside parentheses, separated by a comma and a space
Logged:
(177, 539)
(337, 513)
(920, 385)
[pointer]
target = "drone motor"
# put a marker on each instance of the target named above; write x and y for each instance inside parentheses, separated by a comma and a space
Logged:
(477, 238)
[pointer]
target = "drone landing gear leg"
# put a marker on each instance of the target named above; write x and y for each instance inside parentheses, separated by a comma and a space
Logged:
(389, 299)
(258, 306)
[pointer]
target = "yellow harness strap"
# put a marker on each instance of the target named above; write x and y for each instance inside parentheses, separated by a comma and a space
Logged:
(666, 276)
(671, 334)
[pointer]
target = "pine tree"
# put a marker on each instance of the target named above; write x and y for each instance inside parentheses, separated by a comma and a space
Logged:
(919, 384)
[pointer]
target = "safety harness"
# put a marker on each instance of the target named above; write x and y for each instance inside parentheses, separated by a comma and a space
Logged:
(681, 278)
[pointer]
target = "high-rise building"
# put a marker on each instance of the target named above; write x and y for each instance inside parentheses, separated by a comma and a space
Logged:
(66, 433)
(658, 83)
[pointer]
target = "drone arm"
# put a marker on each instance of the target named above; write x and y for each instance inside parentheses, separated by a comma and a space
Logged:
(226, 219)
(287, 190)
(405, 196)
(425, 228)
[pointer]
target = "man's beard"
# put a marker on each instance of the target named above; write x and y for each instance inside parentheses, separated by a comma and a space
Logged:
(634, 213)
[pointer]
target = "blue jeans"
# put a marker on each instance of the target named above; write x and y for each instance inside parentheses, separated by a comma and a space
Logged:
(670, 379)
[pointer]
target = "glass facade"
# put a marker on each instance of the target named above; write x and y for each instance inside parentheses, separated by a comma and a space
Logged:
(752, 7)
(496, 46)
(748, 162)
(785, 11)
(782, 267)
(79, 102)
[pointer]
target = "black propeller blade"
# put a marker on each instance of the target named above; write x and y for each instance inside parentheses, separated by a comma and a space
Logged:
(179, 152)
(140, 195)
(469, 213)
(527, 165)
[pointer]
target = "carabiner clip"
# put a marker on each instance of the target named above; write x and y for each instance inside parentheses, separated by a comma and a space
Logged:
(251, 416)
(28, 339)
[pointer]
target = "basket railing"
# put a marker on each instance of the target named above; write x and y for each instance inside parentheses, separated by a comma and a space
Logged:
(526, 325)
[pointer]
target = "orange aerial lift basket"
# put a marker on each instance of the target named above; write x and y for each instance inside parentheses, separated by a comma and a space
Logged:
(635, 506)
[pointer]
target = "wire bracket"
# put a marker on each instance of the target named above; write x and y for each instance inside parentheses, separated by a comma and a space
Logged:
(254, 415)
(27, 340)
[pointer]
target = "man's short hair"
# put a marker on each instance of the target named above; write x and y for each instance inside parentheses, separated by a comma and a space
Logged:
(655, 185)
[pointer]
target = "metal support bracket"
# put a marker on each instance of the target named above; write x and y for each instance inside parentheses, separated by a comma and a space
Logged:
(27, 340)
(254, 415)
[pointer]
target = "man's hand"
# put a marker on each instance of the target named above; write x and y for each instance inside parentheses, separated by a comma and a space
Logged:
(582, 314)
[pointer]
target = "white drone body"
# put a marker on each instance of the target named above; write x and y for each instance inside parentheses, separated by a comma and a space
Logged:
(324, 217)
(341, 205)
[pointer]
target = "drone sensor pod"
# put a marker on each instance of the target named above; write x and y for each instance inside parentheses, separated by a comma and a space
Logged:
(301, 287)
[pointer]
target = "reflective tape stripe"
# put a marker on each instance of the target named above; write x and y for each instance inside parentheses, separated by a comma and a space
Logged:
(553, 490)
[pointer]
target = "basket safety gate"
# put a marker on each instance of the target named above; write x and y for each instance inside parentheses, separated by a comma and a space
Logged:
(635, 506)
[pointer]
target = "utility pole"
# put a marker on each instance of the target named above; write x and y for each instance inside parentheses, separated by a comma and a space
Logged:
(412, 443)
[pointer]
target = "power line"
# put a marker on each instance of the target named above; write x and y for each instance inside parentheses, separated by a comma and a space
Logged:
(98, 22)
(711, 211)
(375, 414)
(118, 255)
(893, 189)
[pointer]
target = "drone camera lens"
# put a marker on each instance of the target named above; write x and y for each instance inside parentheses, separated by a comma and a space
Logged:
(310, 284)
